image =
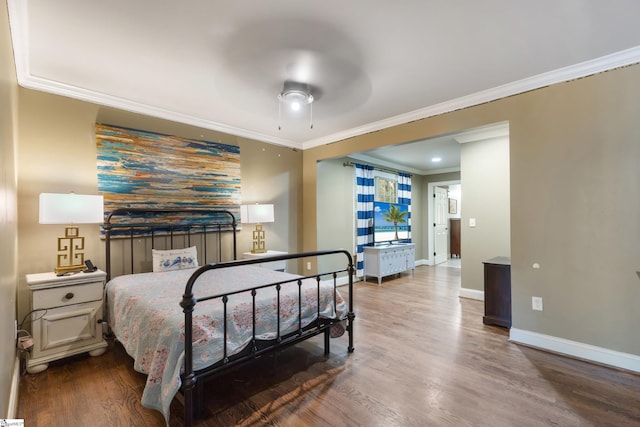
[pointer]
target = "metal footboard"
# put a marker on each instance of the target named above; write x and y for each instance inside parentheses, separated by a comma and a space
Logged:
(191, 379)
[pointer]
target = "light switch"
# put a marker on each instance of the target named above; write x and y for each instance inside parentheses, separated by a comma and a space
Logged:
(472, 222)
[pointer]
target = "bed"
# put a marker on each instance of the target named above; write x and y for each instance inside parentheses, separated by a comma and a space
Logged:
(200, 311)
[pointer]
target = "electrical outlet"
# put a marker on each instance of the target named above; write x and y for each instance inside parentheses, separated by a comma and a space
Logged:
(308, 266)
(536, 303)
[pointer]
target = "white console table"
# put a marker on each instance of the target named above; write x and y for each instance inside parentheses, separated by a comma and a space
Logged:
(381, 261)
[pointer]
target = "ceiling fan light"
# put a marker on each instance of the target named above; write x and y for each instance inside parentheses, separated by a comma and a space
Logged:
(294, 92)
(295, 95)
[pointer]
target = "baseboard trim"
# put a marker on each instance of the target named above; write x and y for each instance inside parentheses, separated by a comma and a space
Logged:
(12, 409)
(471, 294)
(616, 359)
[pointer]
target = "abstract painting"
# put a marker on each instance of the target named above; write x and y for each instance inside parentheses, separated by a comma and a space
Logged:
(142, 169)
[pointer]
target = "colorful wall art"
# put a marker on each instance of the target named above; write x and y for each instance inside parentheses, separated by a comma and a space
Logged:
(148, 170)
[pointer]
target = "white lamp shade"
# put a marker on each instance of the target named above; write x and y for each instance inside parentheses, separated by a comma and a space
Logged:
(71, 209)
(256, 214)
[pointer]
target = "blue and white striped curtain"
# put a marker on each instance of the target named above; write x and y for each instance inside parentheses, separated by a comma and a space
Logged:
(404, 194)
(365, 192)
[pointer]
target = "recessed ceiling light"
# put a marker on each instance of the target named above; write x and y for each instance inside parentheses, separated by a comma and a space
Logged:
(436, 159)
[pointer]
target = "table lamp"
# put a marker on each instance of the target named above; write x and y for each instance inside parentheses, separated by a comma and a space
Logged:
(257, 214)
(70, 209)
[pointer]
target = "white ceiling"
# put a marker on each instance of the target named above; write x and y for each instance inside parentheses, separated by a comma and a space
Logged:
(221, 64)
(418, 157)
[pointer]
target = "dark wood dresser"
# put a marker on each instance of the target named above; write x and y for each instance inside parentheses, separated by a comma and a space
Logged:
(497, 292)
(454, 237)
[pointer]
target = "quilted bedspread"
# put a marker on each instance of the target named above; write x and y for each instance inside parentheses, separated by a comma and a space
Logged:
(145, 315)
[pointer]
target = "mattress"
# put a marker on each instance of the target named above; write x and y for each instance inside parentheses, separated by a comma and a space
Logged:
(145, 316)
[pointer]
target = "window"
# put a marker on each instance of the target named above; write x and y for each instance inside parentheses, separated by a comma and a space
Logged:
(386, 188)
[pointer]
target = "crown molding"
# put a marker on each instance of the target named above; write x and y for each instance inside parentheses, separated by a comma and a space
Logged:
(583, 69)
(401, 168)
(383, 163)
(69, 91)
(493, 131)
(19, 34)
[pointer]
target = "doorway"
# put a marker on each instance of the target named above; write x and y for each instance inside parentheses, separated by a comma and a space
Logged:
(438, 216)
(440, 224)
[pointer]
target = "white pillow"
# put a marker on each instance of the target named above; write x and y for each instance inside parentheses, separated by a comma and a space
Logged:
(174, 259)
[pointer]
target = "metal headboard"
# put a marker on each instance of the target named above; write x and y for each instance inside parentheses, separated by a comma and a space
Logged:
(130, 223)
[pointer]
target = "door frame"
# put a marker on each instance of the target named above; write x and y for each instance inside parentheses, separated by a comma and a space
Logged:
(430, 234)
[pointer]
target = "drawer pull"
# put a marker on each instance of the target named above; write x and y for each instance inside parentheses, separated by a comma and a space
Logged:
(69, 295)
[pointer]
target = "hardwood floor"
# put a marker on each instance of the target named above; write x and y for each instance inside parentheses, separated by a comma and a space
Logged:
(422, 358)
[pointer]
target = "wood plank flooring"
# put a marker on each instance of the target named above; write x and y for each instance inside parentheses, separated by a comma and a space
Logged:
(422, 358)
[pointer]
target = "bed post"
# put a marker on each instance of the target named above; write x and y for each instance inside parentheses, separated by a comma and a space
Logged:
(327, 339)
(106, 226)
(235, 229)
(351, 315)
(189, 379)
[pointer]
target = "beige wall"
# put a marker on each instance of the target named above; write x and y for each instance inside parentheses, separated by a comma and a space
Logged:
(485, 184)
(418, 230)
(57, 153)
(336, 220)
(574, 181)
(575, 209)
(8, 214)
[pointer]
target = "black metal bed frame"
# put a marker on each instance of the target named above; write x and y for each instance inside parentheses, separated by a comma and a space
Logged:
(193, 380)
(157, 228)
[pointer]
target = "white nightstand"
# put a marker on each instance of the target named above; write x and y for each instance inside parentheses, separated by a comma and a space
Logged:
(67, 316)
(273, 265)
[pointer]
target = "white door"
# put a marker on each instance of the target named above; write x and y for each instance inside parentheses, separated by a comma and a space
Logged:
(440, 224)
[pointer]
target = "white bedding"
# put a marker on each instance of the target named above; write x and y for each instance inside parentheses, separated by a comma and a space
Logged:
(145, 315)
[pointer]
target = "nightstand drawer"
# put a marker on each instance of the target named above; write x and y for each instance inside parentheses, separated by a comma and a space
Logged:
(67, 295)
